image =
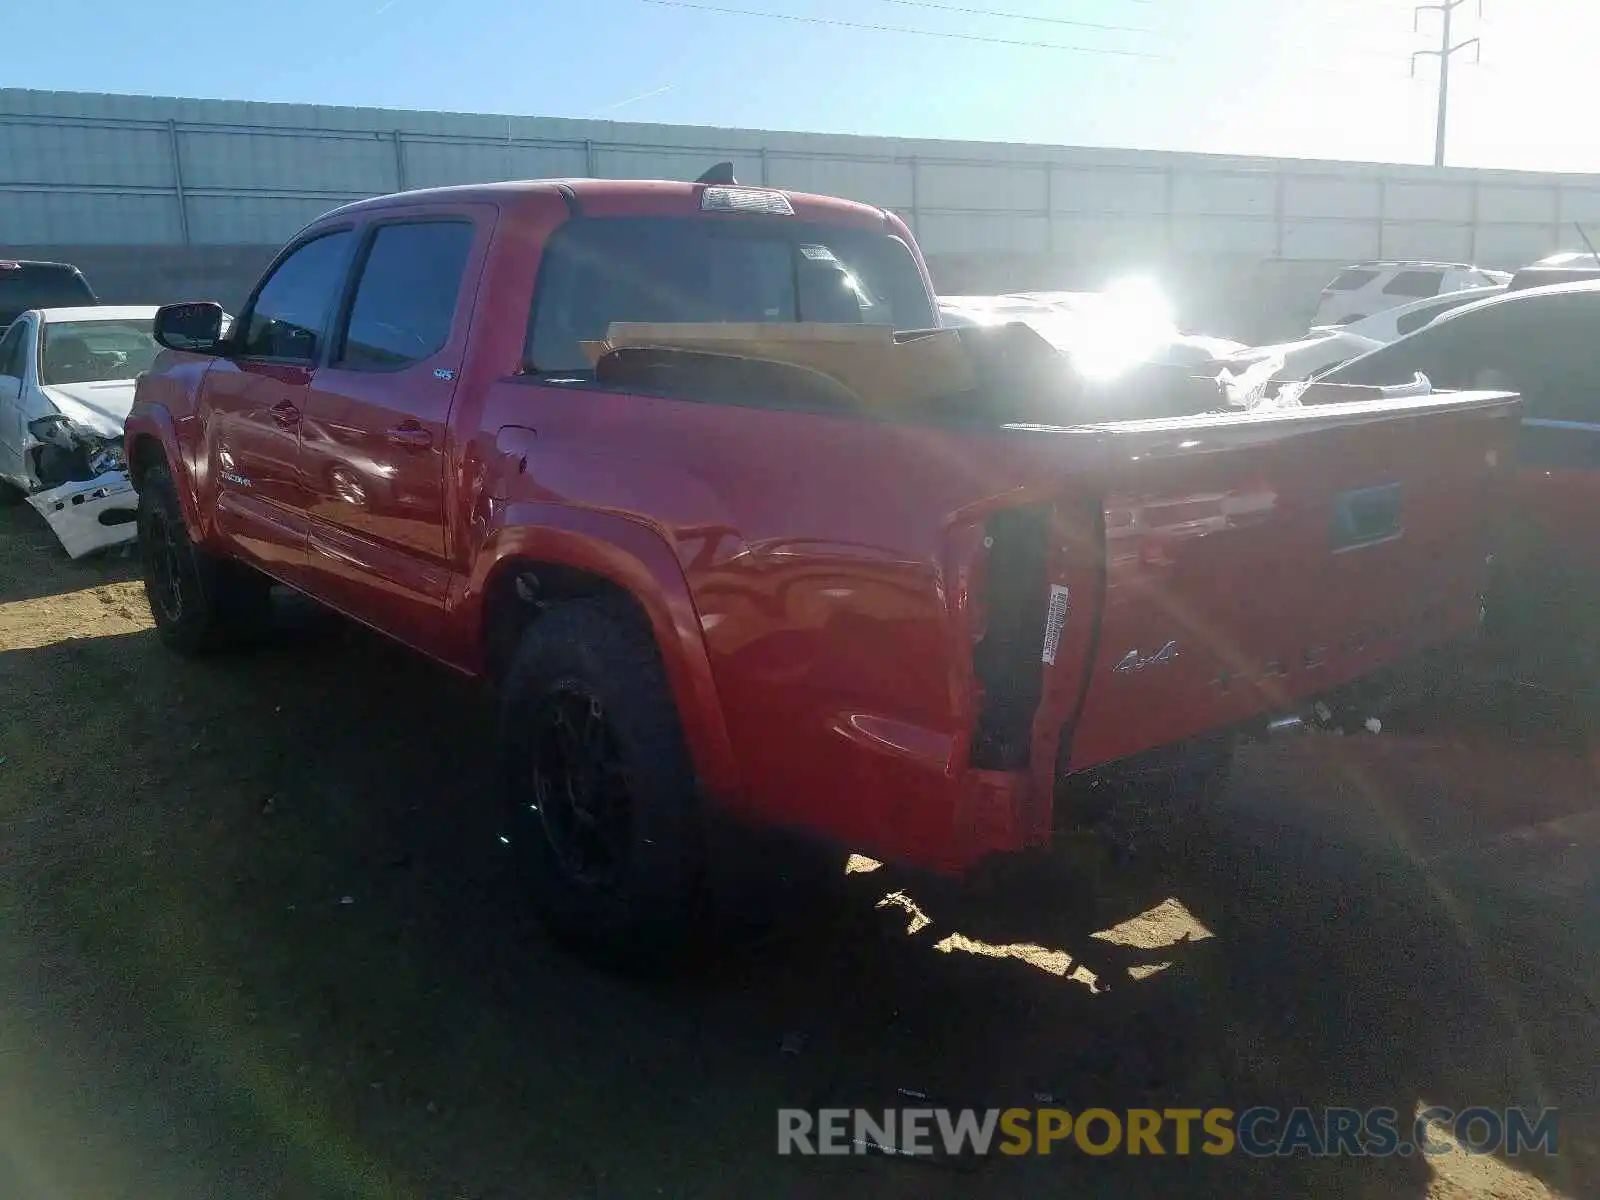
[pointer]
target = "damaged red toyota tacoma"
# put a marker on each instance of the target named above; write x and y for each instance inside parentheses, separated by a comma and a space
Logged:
(704, 578)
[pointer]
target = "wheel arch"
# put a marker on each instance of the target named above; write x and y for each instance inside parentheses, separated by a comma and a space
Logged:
(149, 439)
(543, 558)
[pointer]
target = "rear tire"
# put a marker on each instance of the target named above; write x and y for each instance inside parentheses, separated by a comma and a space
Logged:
(200, 602)
(600, 802)
(10, 494)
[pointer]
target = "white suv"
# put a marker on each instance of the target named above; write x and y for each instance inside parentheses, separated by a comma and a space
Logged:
(1371, 287)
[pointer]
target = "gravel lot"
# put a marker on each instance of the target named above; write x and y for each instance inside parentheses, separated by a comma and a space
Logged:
(256, 940)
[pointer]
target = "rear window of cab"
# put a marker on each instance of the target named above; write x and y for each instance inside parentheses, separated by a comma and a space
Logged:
(597, 270)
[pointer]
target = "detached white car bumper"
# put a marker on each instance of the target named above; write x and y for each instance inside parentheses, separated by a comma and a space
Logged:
(91, 515)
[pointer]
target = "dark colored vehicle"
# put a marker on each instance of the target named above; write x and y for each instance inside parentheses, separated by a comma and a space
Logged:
(25, 285)
(707, 585)
(1539, 343)
(1567, 267)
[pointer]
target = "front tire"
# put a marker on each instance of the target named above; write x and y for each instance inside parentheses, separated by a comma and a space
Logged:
(199, 601)
(600, 796)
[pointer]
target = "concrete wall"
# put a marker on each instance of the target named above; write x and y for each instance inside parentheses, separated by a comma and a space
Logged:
(161, 197)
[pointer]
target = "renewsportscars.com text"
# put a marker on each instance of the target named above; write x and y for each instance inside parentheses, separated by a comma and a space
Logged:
(1259, 1132)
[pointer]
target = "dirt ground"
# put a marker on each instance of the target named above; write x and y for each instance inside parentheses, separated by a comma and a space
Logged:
(257, 940)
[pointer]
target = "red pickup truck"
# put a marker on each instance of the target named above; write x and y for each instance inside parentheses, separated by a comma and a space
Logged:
(702, 591)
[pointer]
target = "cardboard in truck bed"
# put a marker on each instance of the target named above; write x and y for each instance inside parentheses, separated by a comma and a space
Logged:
(868, 360)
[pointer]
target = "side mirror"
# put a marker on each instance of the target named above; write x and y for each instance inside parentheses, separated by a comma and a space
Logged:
(195, 328)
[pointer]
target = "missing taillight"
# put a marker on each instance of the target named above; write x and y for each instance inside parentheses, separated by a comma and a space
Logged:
(1010, 606)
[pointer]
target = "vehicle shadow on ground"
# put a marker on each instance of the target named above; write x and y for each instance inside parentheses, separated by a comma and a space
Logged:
(258, 939)
(29, 540)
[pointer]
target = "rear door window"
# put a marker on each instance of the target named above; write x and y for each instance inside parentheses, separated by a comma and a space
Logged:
(1416, 284)
(662, 269)
(405, 304)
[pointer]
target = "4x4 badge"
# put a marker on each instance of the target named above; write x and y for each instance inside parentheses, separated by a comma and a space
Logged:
(1134, 661)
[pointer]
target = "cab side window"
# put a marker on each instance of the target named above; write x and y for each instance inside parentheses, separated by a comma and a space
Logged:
(291, 311)
(405, 304)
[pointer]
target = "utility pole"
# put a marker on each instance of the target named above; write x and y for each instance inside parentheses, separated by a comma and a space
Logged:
(1446, 51)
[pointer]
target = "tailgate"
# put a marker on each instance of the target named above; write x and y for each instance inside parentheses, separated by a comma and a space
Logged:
(1256, 560)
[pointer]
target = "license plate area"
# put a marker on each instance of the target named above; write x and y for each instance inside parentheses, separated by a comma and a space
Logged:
(1367, 516)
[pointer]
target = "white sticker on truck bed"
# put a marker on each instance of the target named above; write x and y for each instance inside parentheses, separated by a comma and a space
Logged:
(1053, 622)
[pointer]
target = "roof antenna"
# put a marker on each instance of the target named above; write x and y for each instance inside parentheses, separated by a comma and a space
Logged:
(1587, 243)
(719, 175)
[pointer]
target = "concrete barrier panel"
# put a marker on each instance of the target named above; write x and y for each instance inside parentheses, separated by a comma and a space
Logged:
(1428, 202)
(981, 189)
(1225, 235)
(886, 184)
(1225, 194)
(1320, 197)
(1432, 240)
(1506, 204)
(246, 220)
(1351, 240)
(1078, 191)
(37, 153)
(440, 163)
(968, 232)
(363, 165)
(46, 216)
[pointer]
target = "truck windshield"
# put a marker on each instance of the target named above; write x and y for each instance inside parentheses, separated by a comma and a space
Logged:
(39, 285)
(672, 269)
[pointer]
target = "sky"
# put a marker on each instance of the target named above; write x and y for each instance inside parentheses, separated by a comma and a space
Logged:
(1315, 79)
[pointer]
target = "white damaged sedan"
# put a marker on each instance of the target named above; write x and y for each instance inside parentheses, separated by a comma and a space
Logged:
(66, 384)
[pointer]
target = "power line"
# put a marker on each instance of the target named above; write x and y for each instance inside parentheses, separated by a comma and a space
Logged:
(1447, 50)
(1368, 28)
(1016, 16)
(1024, 43)
(904, 29)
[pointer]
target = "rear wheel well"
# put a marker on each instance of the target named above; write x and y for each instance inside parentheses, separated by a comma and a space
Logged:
(524, 589)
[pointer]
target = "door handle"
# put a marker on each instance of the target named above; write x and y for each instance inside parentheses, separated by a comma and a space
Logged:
(285, 413)
(411, 436)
